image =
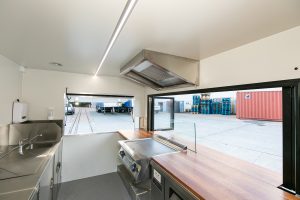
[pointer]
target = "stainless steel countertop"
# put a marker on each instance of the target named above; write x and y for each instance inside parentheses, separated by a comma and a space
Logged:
(23, 188)
(144, 148)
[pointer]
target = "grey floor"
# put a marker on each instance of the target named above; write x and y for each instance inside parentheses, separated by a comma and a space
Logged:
(104, 187)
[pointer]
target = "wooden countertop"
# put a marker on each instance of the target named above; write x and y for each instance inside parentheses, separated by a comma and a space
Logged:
(212, 175)
(136, 134)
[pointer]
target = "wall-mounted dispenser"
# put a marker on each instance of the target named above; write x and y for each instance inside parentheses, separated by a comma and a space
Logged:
(20, 112)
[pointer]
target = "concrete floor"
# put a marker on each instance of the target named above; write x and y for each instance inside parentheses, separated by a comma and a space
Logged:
(108, 187)
(87, 120)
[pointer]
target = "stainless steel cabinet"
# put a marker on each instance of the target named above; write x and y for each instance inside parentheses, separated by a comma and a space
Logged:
(51, 178)
(46, 183)
(35, 196)
(57, 171)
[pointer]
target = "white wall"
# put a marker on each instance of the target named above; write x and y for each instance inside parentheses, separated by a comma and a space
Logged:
(10, 88)
(269, 59)
(89, 155)
(43, 89)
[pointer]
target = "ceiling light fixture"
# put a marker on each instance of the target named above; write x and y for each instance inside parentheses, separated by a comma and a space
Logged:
(122, 20)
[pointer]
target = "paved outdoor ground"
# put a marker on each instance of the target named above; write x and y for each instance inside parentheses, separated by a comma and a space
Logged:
(87, 120)
(258, 142)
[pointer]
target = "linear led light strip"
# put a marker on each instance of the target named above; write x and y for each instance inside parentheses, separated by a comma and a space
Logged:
(122, 20)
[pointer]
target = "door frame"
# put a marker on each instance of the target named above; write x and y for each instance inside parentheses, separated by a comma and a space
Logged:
(152, 113)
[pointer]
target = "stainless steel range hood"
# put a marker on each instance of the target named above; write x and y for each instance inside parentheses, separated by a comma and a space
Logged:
(162, 71)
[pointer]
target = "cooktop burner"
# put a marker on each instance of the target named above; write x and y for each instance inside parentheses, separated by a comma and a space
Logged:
(136, 154)
(148, 147)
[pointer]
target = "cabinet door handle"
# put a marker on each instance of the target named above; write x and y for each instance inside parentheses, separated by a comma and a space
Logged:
(52, 183)
(58, 167)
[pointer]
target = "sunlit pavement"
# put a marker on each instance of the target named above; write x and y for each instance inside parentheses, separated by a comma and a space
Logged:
(259, 142)
(87, 120)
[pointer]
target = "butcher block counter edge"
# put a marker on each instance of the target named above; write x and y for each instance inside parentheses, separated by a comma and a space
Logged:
(135, 134)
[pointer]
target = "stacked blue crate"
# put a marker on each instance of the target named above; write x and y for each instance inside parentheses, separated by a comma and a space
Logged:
(206, 106)
(199, 110)
(196, 104)
(216, 106)
(196, 100)
(226, 106)
(196, 109)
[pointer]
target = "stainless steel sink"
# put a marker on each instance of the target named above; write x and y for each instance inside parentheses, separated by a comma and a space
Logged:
(4, 174)
(13, 164)
(4, 150)
(39, 145)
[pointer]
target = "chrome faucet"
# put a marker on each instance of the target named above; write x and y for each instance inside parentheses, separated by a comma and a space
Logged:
(21, 143)
(30, 141)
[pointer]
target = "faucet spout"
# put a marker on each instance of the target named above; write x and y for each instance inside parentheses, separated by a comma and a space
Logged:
(30, 141)
(21, 144)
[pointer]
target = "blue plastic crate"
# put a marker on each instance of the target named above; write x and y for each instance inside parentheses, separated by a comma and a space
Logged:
(196, 100)
(226, 99)
(195, 108)
(226, 110)
(206, 109)
(216, 107)
(226, 113)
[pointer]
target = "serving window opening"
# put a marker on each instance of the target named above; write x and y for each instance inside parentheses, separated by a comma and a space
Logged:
(245, 124)
(98, 114)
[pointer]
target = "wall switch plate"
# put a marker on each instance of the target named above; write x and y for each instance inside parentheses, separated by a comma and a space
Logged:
(157, 176)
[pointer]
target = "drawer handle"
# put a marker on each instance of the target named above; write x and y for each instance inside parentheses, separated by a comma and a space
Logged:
(58, 167)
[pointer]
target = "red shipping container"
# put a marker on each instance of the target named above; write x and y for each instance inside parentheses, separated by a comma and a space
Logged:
(260, 105)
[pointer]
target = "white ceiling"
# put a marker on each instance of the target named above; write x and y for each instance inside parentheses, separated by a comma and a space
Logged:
(75, 33)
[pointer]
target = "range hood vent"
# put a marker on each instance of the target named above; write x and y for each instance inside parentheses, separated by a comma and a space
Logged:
(161, 71)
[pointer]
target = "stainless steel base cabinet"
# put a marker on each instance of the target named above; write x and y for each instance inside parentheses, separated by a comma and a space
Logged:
(140, 191)
(57, 166)
(35, 196)
(46, 183)
(50, 181)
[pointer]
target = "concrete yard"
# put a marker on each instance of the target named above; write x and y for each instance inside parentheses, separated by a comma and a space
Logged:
(258, 142)
(87, 120)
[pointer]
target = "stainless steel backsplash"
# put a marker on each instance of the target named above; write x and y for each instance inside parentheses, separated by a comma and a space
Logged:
(51, 132)
(11, 134)
(4, 132)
